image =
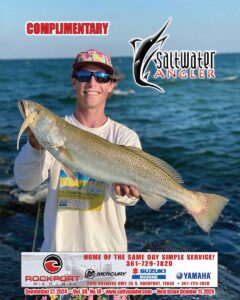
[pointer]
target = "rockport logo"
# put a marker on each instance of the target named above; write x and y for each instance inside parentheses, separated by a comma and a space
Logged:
(52, 264)
(168, 64)
(43, 278)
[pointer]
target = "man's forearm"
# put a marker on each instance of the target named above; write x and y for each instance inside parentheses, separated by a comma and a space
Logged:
(30, 168)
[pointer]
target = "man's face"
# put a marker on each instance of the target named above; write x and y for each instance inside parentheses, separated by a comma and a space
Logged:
(92, 94)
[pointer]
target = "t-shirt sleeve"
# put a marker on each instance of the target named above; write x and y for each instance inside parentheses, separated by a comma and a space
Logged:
(128, 137)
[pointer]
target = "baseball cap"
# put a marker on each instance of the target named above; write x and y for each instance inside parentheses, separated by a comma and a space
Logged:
(93, 56)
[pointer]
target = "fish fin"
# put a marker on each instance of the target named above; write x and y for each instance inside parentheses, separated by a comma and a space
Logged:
(64, 153)
(155, 86)
(146, 75)
(25, 125)
(51, 145)
(154, 201)
(211, 208)
(133, 42)
(160, 163)
(70, 172)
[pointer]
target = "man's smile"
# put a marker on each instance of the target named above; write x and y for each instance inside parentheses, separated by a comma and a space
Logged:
(94, 93)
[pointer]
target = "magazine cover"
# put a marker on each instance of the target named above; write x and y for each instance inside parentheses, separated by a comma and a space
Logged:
(119, 150)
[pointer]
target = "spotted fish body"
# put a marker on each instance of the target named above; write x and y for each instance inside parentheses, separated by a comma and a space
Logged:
(81, 151)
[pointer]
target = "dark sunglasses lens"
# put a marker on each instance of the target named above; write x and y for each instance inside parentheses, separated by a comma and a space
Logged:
(102, 77)
(83, 76)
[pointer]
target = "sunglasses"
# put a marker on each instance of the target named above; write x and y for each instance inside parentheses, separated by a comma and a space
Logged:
(85, 76)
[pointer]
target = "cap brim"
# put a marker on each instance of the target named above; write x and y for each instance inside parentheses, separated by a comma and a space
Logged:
(118, 77)
(79, 65)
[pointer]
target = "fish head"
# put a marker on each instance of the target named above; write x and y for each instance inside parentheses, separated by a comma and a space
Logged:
(35, 115)
(40, 120)
(26, 107)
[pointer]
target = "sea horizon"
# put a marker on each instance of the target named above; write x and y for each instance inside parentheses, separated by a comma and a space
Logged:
(112, 56)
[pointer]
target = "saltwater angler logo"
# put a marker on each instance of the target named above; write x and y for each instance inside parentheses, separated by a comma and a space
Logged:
(169, 64)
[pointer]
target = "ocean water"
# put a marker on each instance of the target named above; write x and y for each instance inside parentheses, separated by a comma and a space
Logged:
(194, 126)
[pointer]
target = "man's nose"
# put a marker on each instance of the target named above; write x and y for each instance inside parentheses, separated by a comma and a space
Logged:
(92, 80)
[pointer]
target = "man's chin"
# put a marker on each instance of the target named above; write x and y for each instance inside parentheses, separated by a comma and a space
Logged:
(93, 103)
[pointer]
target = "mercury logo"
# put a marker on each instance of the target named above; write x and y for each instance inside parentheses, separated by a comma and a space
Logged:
(52, 264)
(90, 273)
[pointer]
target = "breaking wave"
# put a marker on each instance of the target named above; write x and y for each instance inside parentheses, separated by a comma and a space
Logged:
(228, 78)
(123, 93)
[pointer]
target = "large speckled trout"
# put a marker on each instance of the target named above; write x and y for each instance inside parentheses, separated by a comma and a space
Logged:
(81, 151)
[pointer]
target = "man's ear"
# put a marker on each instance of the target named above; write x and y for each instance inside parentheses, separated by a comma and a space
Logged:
(111, 87)
(73, 81)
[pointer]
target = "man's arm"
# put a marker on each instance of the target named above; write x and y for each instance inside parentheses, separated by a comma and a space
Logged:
(31, 165)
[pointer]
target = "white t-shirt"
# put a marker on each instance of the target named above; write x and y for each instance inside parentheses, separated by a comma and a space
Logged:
(84, 215)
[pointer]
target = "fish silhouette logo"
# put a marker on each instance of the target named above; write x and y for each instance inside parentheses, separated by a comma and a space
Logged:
(143, 55)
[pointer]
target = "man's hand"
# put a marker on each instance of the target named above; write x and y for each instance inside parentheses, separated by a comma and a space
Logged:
(126, 190)
(33, 141)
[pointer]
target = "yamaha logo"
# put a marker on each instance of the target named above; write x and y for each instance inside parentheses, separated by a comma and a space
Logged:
(179, 275)
(52, 264)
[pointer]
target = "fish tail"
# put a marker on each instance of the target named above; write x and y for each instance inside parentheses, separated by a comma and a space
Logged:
(208, 209)
(25, 125)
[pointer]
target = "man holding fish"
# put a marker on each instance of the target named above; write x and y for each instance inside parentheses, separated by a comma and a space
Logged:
(87, 153)
(81, 213)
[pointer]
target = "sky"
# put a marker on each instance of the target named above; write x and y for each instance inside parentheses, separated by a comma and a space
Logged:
(196, 25)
